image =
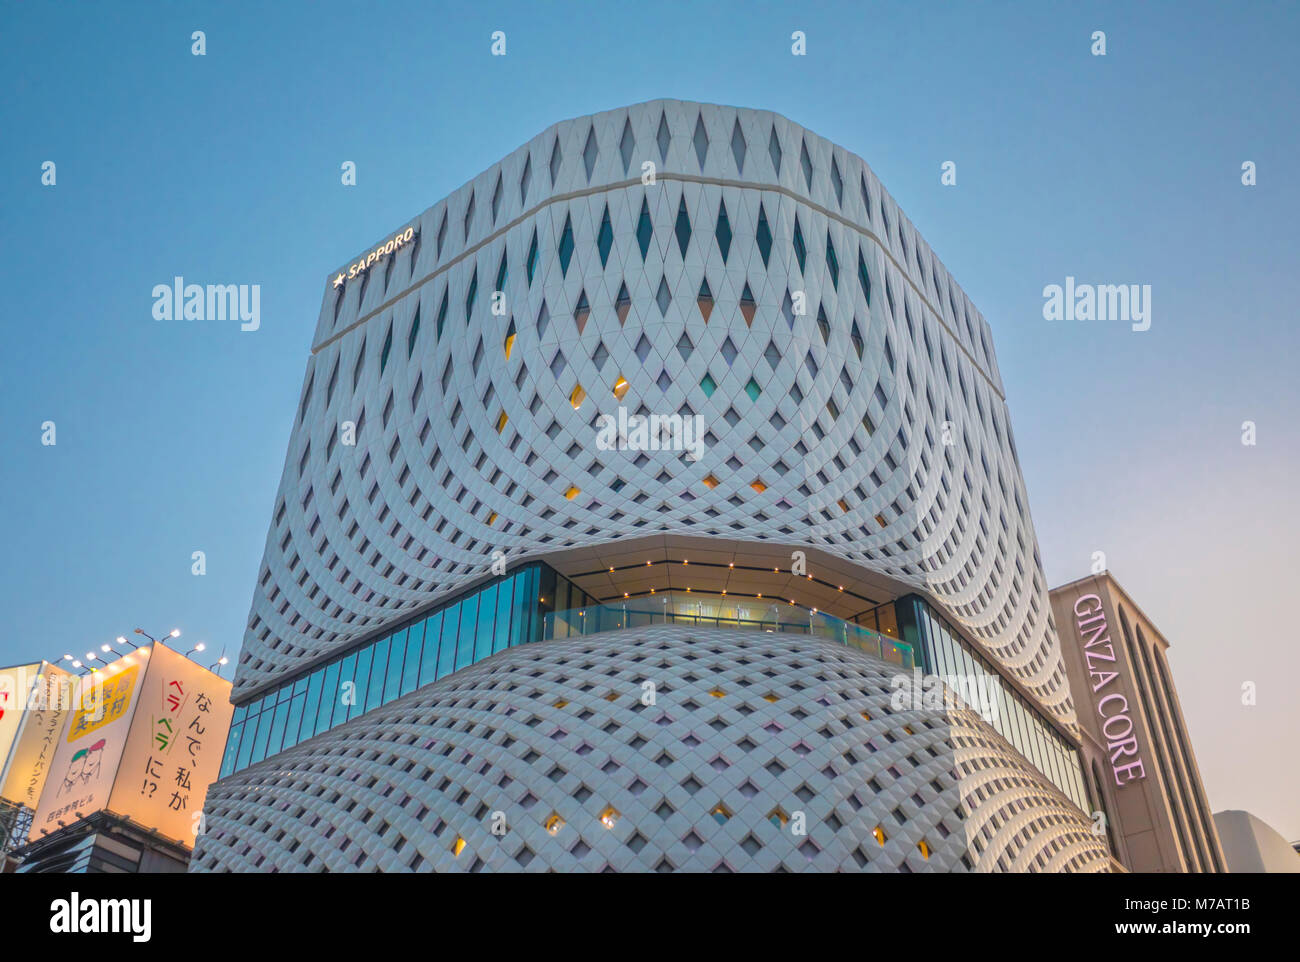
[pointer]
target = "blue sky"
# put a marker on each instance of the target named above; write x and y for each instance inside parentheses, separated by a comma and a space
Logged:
(225, 169)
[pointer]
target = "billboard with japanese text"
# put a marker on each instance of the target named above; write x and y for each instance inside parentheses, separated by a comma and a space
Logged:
(39, 723)
(144, 740)
(173, 751)
(90, 745)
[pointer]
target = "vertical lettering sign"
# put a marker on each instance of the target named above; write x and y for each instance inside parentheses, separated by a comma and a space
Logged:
(25, 771)
(1103, 670)
(173, 751)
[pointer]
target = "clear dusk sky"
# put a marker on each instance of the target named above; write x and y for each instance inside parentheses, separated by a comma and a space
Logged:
(225, 168)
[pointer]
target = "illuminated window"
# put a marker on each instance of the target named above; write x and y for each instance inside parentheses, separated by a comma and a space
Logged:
(758, 485)
(510, 339)
(501, 422)
(561, 702)
(880, 520)
(492, 518)
(457, 846)
(609, 817)
(553, 824)
(844, 505)
(778, 818)
(879, 833)
(620, 387)
(748, 307)
(717, 693)
(573, 492)
(705, 300)
(581, 312)
(577, 396)
(925, 849)
(710, 482)
(720, 813)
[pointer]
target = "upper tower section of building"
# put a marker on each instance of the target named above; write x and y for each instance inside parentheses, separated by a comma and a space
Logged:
(476, 377)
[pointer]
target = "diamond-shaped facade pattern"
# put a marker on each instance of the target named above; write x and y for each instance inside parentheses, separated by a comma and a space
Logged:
(759, 752)
(892, 450)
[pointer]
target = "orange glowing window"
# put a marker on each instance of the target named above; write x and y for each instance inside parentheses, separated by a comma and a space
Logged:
(620, 387)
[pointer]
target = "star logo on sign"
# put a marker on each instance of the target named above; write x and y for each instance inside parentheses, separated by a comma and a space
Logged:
(338, 281)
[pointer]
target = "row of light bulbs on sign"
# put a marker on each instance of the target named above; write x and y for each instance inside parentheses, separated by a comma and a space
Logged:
(104, 649)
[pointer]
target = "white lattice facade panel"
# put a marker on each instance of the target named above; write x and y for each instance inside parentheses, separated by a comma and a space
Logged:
(759, 753)
(825, 429)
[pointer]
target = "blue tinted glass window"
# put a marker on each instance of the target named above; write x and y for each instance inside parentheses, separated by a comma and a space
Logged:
(329, 697)
(295, 720)
(360, 678)
(378, 668)
(411, 665)
(249, 740)
(277, 729)
(396, 655)
(429, 658)
(525, 603)
(468, 632)
(263, 736)
(450, 635)
(240, 714)
(232, 750)
(487, 612)
(501, 636)
(311, 710)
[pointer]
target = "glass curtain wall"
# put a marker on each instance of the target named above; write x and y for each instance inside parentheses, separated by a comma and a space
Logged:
(943, 652)
(459, 632)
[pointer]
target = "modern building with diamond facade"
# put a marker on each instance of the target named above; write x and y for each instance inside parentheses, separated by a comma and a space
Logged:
(634, 491)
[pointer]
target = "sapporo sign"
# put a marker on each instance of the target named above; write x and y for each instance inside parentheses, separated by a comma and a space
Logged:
(399, 240)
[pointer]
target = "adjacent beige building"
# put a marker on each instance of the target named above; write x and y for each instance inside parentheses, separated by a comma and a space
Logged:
(1137, 754)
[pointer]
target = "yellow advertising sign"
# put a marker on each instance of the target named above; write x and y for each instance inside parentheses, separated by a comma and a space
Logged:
(103, 706)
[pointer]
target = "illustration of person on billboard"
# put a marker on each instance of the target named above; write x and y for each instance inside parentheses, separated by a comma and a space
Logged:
(83, 768)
